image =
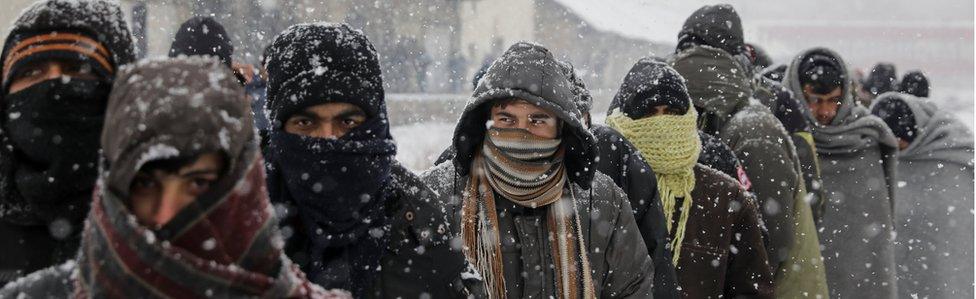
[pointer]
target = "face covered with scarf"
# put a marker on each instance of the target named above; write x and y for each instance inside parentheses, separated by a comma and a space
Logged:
(224, 242)
(337, 181)
(522, 160)
(653, 112)
(54, 108)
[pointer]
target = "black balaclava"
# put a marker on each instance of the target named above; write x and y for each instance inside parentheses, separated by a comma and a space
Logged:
(898, 116)
(822, 72)
(51, 129)
(202, 36)
(718, 26)
(650, 83)
(915, 83)
(883, 78)
(337, 186)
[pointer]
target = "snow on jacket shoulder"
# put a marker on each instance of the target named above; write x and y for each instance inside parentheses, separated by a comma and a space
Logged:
(857, 151)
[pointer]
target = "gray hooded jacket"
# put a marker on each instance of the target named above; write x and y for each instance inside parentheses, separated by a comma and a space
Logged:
(617, 254)
(857, 153)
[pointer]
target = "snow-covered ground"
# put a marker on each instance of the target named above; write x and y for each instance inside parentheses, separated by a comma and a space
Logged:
(420, 143)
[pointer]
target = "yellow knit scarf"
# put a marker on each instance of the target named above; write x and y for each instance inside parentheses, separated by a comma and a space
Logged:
(670, 144)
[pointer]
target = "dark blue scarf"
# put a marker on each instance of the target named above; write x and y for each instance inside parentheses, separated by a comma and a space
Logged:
(338, 189)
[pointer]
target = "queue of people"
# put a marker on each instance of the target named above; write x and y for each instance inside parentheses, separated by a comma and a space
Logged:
(717, 173)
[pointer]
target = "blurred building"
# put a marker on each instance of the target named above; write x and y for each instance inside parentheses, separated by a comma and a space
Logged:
(432, 46)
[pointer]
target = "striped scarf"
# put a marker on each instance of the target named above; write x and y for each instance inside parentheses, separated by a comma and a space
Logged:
(670, 144)
(230, 249)
(529, 171)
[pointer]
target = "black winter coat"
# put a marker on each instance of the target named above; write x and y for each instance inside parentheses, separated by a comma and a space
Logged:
(419, 259)
(619, 160)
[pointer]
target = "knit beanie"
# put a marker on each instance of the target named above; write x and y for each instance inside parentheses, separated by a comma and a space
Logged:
(90, 31)
(822, 72)
(318, 63)
(648, 84)
(915, 83)
(718, 26)
(202, 36)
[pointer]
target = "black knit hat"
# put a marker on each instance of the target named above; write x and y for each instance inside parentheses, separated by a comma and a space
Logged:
(915, 83)
(202, 36)
(651, 83)
(94, 30)
(898, 116)
(822, 72)
(713, 25)
(883, 78)
(311, 64)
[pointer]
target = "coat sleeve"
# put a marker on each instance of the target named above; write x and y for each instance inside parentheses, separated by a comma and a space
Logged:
(631, 270)
(749, 275)
(642, 190)
(772, 171)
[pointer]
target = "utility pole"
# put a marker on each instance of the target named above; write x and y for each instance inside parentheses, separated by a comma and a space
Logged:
(139, 13)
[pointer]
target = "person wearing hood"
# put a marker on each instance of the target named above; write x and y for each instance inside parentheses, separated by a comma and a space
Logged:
(714, 153)
(935, 197)
(704, 207)
(355, 219)
(857, 154)
(914, 83)
(59, 61)
(882, 78)
(619, 160)
(177, 211)
(786, 108)
(710, 57)
(534, 216)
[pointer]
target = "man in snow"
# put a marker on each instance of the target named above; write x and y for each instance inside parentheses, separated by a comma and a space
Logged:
(621, 162)
(535, 217)
(704, 207)
(710, 57)
(180, 209)
(933, 215)
(354, 218)
(857, 151)
(786, 108)
(59, 61)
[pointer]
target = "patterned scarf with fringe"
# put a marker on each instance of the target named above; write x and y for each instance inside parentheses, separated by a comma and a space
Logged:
(670, 144)
(529, 171)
